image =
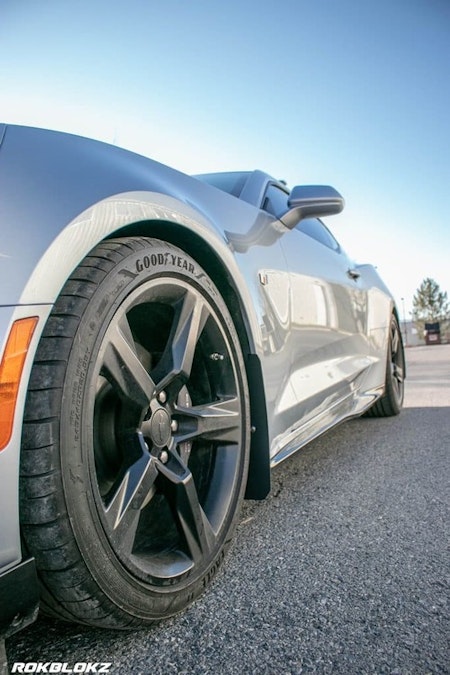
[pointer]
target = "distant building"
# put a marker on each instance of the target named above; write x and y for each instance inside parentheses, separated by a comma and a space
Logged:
(412, 337)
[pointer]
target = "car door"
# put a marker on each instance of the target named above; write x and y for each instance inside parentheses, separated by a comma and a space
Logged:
(328, 333)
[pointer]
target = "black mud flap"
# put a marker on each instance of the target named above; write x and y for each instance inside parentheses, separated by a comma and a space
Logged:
(258, 483)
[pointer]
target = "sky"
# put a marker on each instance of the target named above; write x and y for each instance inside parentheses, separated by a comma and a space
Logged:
(352, 93)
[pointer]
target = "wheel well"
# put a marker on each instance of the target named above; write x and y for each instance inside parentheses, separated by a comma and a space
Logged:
(258, 483)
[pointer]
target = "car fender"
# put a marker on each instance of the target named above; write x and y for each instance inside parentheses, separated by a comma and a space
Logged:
(113, 215)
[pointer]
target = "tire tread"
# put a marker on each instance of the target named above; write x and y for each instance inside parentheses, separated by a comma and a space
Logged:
(45, 527)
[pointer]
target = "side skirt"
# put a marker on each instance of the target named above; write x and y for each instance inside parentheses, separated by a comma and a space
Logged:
(343, 410)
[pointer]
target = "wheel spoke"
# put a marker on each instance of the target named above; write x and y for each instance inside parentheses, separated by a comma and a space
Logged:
(132, 492)
(395, 342)
(179, 488)
(176, 363)
(122, 367)
(398, 373)
(218, 421)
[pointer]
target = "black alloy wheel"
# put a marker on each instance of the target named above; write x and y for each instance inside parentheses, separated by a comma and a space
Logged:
(149, 410)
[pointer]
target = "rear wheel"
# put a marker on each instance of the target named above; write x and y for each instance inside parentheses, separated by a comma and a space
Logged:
(391, 402)
(136, 434)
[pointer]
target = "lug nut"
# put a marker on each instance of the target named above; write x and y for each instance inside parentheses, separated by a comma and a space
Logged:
(164, 456)
(174, 425)
(162, 397)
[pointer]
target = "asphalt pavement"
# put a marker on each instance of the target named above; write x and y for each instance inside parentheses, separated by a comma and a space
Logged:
(344, 568)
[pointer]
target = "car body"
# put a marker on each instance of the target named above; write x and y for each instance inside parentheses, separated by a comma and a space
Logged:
(234, 264)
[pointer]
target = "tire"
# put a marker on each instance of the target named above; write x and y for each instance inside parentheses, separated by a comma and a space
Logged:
(391, 402)
(136, 437)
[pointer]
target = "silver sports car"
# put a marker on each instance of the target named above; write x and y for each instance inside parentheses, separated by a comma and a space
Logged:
(165, 340)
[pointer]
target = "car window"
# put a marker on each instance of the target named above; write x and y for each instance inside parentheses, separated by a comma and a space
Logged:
(276, 203)
(317, 230)
(275, 200)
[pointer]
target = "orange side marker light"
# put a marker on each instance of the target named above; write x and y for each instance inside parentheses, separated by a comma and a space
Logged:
(11, 367)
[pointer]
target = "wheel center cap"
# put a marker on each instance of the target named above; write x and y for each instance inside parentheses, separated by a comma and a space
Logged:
(160, 428)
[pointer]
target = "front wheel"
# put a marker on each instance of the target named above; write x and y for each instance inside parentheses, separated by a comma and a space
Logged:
(136, 437)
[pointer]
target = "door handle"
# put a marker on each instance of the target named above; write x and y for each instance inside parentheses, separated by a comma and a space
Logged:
(353, 274)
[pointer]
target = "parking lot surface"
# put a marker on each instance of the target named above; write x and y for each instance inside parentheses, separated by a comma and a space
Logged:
(342, 569)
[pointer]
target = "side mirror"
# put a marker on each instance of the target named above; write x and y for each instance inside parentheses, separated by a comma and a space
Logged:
(311, 201)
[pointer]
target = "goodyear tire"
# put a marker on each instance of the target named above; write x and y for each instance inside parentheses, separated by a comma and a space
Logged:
(136, 437)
